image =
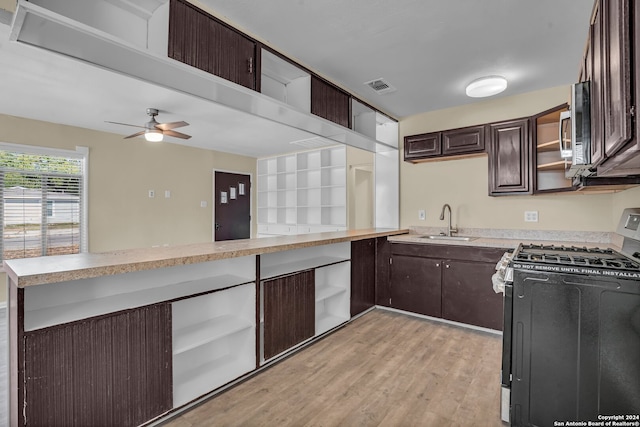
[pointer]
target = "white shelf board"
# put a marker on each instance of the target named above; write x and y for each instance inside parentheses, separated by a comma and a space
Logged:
(324, 292)
(193, 336)
(268, 271)
(49, 316)
(326, 322)
(201, 379)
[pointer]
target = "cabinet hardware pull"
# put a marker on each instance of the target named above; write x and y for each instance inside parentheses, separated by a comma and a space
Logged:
(446, 265)
(437, 264)
(250, 65)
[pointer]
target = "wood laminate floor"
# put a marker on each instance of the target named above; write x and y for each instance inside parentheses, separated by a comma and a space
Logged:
(383, 369)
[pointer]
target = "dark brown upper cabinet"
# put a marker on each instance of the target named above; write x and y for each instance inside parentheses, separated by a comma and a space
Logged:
(463, 141)
(593, 72)
(329, 102)
(454, 142)
(616, 76)
(200, 40)
(422, 146)
(617, 26)
(510, 169)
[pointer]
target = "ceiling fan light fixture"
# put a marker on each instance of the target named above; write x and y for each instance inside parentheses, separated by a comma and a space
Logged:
(153, 135)
(486, 86)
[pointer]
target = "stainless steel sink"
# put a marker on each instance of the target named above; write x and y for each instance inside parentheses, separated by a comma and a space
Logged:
(441, 237)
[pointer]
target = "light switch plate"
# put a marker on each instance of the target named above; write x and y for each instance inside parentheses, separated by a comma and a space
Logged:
(422, 215)
(530, 216)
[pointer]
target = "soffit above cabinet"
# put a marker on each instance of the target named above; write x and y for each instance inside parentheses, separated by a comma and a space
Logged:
(126, 75)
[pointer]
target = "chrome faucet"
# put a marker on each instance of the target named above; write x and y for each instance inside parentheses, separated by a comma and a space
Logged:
(450, 230)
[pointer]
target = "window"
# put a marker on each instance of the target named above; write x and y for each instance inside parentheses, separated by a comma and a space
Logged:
(42, 201)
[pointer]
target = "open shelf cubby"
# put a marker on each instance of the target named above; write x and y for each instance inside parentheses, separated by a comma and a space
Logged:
(287, 262)
(80, 299)
(333, 285)
(213, 341)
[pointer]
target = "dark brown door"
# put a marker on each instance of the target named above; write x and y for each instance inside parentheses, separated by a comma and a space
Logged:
(363, 275)
(200, 40)
(509, 158)
(463, 141)
(232, 195)
(594, 71)
(289, 311)
(416, 285)
(422, 146)
(111, 371)
(329, 102)
(468, 296)
(616, 60)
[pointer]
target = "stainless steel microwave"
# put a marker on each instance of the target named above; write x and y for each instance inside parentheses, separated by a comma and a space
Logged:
(575, 132)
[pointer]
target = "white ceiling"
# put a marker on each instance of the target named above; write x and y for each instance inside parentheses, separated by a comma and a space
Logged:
(429, 50)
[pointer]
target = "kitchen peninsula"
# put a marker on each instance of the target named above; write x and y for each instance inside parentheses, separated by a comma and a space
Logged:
(121, 338)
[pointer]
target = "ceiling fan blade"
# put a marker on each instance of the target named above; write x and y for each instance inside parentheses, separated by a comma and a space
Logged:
(135, 134)
(176, 134)
(125, 124)
(172, 125)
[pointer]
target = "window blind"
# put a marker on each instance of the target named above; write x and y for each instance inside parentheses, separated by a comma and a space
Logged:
(41, 204)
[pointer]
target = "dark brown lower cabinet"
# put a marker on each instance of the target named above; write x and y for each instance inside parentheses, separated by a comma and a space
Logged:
(467, 297)
(451, 282)
(363, 275)
(415, 285)
(289, 311)
(109, 371)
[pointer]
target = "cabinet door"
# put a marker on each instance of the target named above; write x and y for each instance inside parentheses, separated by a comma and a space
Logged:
(594, 58)
(363, 275)
(289, 311)
(415, 285)
(329, 102)
(468, 296)
(110, 371)
(463, 141)
(422, 146)
(616, 77)
(198, 39)
(510, 158)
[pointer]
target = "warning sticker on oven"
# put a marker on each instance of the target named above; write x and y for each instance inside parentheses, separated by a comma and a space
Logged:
(578, 270)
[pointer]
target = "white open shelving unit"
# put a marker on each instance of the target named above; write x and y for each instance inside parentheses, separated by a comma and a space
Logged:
(214, 341)
(333, 292)
(64, 302)
(305, 192)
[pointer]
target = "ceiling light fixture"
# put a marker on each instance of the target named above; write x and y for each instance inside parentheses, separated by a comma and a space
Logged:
(153, 135)
(486, 86)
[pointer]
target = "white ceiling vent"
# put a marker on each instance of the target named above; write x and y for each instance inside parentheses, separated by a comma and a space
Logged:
(380, 86)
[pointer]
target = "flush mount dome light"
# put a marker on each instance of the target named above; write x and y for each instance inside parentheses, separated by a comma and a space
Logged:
(486, 86)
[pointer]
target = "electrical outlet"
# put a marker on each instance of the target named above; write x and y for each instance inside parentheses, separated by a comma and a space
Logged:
(422, 215)
(530, 216)
(203, 203)
(152, 194)
(167, 194)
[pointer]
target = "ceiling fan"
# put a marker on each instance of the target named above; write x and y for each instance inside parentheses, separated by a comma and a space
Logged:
(154, 131)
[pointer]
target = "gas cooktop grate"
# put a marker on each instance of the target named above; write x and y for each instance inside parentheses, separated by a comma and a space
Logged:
(571, 255)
